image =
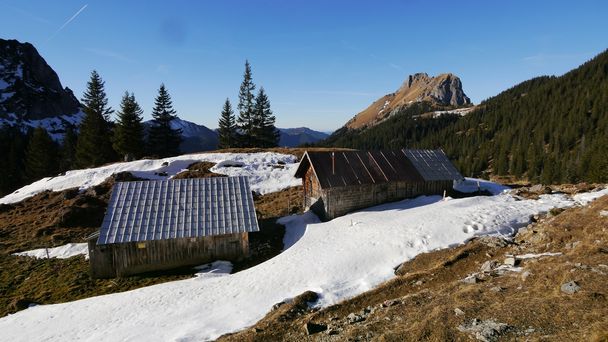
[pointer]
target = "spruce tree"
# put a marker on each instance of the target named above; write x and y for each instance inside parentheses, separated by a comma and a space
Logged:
(129, 131)
(13, 146)
(264, 133)
(245, 107)
(163, 140)
(67, 152)
(94, 145)
(41, 155)
(227, 127)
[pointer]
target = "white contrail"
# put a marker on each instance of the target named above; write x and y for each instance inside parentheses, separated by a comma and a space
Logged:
(68, 21)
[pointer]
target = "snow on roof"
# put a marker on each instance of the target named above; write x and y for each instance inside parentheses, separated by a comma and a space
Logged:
(182, 208)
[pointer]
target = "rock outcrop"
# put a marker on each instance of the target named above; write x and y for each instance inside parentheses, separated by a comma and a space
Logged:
(29, 88)
(444, 90)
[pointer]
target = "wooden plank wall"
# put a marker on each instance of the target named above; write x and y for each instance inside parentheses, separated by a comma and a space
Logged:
(342, 200)
(123, 259)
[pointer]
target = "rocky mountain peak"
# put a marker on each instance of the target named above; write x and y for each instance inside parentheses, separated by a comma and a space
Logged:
(29, 88)
(443, 90)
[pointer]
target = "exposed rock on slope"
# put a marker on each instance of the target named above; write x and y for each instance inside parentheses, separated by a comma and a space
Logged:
(442, 90)
(29, 87)
(30, 91)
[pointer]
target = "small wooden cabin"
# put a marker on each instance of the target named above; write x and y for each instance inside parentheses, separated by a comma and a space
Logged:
(336, 183)
(160, 225)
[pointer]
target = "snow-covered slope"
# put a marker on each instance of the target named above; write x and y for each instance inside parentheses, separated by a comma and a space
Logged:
(338, 259)
(267, 172)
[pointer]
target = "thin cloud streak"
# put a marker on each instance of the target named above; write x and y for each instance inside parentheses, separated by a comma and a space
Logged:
(67, 22)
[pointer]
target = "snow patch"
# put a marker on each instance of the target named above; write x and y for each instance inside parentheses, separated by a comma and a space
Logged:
(61, 252)
(470, 185)
(267, 172)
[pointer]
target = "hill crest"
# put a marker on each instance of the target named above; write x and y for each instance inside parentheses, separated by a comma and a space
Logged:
(443, 90)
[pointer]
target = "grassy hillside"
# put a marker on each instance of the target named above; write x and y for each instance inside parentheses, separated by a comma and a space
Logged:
(547, 129)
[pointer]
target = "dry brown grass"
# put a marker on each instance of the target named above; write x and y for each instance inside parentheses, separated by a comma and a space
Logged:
(428, 289)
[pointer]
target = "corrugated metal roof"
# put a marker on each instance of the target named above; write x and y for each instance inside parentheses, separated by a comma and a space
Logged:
(181, 208)
(334, 169)
(433, 165)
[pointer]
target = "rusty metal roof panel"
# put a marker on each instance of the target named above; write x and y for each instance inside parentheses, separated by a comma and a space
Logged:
(182, 208)
(433, 165)
(344, 168)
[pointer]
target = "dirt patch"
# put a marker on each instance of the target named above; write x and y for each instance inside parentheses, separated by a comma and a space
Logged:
(51, 219)
(475, 291)
(281, 203)
(27, 281)
(198, 170)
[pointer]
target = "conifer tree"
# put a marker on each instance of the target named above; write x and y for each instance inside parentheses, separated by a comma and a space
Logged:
(163, 140)
(227, 127)
(67, 152)
(41, 155)
(94, 145)
(13, 145)
(265, 134)
(128, 133)
(245, 107)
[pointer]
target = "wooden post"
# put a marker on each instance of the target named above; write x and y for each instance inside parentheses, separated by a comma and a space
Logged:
(444, 195)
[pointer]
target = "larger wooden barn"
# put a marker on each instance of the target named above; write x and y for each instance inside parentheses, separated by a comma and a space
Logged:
(336, 183)
(159, 225)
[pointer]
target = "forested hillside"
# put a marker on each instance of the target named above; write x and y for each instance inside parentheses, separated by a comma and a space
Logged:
(547, 129)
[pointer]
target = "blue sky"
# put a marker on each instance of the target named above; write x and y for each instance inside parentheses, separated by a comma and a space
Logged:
(321, 62)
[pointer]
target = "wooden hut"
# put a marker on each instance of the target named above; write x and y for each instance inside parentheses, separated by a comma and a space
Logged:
(336, 183)
(159, 225)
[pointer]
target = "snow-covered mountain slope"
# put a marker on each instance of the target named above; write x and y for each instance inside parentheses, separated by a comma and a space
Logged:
(338, 259)
(294, 137)
(267, 172)
(31, 94)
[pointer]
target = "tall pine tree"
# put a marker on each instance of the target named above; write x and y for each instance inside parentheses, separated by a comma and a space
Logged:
(265, 134)
(67, 152)
(41, 160)
(13, 146)
(94, 145)
(163, 140)
(245, 120)
(227, 127)
(129, 131)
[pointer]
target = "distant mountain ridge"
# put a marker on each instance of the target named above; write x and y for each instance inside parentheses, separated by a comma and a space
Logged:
(198, 138)
(293, 137)
(444, 90)
(195, 137)
(31, 94)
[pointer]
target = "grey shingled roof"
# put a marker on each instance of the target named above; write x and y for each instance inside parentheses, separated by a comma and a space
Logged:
(433, 165)
(181, 208)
